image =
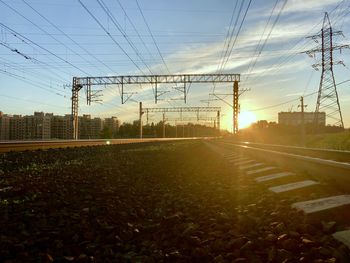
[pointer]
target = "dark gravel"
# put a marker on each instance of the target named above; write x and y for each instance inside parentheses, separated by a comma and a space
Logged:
(171, 202)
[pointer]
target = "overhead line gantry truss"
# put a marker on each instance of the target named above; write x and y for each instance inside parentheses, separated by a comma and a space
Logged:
(154, 80)
(180, 110)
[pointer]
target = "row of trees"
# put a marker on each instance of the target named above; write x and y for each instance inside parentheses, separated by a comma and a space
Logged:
(155, 130)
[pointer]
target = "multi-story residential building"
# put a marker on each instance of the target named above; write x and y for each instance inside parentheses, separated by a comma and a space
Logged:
(89, 128)
(41, 126)
(84, 126)
(37, 126)
(295, 118)
(17, 127)
(62, 127)
(112, 124)
(96, 127)
(4, 127)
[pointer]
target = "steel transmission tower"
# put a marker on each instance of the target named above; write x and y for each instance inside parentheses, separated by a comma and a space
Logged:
(327, 99)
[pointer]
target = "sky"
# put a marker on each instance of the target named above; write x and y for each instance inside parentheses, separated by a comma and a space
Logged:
(44, 44)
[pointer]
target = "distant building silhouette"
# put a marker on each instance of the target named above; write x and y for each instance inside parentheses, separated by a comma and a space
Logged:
(294, 118)
(112, 124)
(43, 126)
(4, 126)
(61, 127)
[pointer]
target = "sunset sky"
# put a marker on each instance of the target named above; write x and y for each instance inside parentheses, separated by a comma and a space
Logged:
(45, 43)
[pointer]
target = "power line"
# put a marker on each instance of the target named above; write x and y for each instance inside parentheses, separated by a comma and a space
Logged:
(229, 40)
(32, 101)
(237, 34)
(110, 36)
(66, 35)
(135, 29)
(283, 60)
(24, 79)
(14, 10)
(34, 60)
(259, 48)
(150, 32)
(118, 26)
(293, 100)
(19, 67)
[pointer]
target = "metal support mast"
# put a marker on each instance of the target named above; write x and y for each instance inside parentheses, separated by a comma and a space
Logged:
(235, 107)
(327, 99)
(140, 118)
(218, 121)
(75, 101)
(163, 124)
(302, 106)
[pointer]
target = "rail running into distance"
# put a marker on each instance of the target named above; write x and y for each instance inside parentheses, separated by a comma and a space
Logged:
(9, 146)
(329, 154)
(327, 165)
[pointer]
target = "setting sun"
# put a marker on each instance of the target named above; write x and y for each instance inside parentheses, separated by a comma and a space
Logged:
(245, 119)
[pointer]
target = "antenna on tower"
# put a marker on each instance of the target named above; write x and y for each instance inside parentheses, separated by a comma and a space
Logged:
(327, 99)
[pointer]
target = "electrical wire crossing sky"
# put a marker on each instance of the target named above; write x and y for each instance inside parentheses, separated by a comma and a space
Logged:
(44, 44)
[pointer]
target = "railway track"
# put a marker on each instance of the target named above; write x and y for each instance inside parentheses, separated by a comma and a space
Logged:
(329, 154)
(9, 146)
(314, 180)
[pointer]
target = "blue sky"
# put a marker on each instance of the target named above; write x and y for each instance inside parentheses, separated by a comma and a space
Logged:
(62, 40)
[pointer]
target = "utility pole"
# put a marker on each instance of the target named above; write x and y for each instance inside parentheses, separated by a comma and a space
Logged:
(140, 119)
(327, 99)
(218, 121)
(235, 107)
(175, 129)
(163, 124)
(302, 106)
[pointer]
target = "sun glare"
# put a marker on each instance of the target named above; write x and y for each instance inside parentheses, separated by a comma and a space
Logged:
(245, 119)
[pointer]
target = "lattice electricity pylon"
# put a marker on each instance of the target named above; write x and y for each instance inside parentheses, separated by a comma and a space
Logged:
(327, 99)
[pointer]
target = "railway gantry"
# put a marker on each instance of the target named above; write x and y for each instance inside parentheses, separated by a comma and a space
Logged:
(121, 81)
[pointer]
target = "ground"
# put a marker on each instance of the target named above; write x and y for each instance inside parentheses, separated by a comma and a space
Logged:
(160, 202)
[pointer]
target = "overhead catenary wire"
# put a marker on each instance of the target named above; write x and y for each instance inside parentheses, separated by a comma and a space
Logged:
(151, 34)
(275, 67)
(124, 34)
(135, 29)
(259, 48)
(293, 100)
(41, 29)
(18, 13)
(236, 37)
(33, 101)
(29, 71)
(67, 36)
(34, 60)
(31, 82)
(230, 33)
(110, 36)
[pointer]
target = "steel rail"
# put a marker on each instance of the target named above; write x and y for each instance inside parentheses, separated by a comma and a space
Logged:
(330, 171)
(9, 146)
(330, 154)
